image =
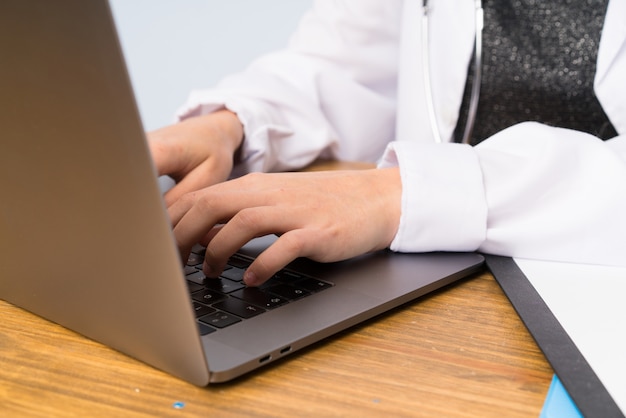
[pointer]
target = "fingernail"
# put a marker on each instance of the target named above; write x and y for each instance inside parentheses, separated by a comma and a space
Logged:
(250, 278)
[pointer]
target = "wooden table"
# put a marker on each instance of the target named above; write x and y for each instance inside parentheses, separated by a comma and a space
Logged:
(460, 352)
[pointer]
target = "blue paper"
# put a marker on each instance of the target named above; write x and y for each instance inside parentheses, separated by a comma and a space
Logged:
(558, 403)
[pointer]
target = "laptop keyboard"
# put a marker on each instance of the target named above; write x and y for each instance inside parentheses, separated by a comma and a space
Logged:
(225, 301)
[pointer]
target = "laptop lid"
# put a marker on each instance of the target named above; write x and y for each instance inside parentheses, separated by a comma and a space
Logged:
(83, 230)
(84, 236)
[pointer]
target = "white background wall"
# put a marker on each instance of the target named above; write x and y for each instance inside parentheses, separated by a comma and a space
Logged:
(175, 46)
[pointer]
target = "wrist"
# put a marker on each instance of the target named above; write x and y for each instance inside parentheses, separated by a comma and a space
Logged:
(231, 130)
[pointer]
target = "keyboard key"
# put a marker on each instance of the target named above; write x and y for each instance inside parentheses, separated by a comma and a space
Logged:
(287, 276)
(207, 296)
(258, 297)
(201, 309)
(197, 277)
(198, 249)
(311, 284)
(190, 269)
(239, 307)
(219, 319)
(273, 281)
(234, 273)
(205, 329)
(288, 292)
(239, 261)
(195, 259)
(223, 285)
(194, 287)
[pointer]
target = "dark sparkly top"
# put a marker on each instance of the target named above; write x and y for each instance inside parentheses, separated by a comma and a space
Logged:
(539, 62)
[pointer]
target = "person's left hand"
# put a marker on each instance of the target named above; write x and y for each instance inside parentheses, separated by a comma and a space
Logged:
(326, 216)
(196, 152)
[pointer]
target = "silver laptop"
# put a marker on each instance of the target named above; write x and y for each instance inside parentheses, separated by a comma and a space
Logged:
(84, 235)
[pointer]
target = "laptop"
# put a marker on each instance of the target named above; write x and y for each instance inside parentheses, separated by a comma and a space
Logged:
(85, 239)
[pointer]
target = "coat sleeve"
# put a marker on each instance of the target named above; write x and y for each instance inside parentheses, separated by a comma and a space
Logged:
(530, 191)
(330, 93)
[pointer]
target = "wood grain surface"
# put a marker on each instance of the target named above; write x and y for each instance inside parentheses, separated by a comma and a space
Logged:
(460, 352)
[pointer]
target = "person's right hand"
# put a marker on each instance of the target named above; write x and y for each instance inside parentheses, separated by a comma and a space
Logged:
(197, 152)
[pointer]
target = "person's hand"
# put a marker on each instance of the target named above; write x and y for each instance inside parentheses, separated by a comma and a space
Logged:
(196, 152)
(326, 216)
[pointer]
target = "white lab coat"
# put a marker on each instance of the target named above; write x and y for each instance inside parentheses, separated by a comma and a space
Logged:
(350, 86)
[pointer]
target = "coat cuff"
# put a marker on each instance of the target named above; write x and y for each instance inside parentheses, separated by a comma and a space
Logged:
(441, 210)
